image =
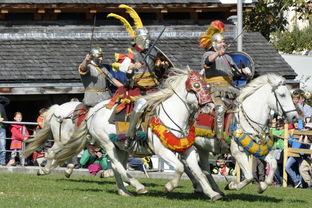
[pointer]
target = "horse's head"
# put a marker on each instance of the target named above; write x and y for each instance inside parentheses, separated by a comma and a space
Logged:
(281, 101)
(196, 84)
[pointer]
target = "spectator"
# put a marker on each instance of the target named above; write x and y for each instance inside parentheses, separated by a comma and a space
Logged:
(95, 159)
(299, 99)
(278, 147)
(19, 134)
(221, 167)
(48, 144)
(74, 99)
(292, 164)
(135, 163)
(258, 170)
(3, 117)
(305, 168)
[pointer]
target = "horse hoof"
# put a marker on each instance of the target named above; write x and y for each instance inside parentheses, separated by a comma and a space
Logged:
(40, 172)
(262, 187)
(124, 193)
(221, 193)
(142, 191)
(217, 197)
(67, 175)
(227, 187)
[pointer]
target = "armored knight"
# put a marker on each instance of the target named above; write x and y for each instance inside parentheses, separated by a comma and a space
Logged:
(142, 65)
(94, 76)
(219, 69)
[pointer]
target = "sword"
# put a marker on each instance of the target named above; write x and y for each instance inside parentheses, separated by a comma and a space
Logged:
(154, 43)
(149, 51)
(243, 30)
(91, 39)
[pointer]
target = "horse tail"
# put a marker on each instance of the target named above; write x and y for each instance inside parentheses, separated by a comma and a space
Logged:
(73, 147)
(251, 146)
(42, 135)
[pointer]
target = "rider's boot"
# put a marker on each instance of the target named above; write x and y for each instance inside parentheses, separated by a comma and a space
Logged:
(134, 120)
(219, 124)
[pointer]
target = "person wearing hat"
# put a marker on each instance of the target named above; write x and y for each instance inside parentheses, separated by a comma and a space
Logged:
(94, 76)
(219, 70)
(299, 99)
(144, 69)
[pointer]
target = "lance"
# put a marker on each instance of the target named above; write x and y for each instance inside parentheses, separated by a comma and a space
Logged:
(91, 39)
(149, 51)
(154, 43)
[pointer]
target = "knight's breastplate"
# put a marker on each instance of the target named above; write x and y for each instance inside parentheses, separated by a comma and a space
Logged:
(145, 77)
(148, 63)
(221, 67)
(94, 80)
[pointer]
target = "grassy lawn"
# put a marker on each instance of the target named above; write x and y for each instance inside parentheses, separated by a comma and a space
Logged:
(21, 190)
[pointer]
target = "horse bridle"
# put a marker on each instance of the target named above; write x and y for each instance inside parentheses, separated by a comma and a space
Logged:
(180, 130)
(278, 104)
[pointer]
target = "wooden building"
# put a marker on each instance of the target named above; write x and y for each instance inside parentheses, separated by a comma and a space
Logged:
(42, 42)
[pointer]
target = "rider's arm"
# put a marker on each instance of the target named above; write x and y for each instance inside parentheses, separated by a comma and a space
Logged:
(83, 66)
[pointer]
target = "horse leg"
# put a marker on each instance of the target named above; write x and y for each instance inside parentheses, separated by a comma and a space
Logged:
(242, 160)
(119, 167)
(122, 191)
(205, 166)
(192, 162)
(172, 160)
(69, 170)
(51, 164)
(272, 164)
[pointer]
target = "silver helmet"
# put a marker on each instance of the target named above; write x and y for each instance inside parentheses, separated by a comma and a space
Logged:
(142, 38)
(214, 39)
(97, 55)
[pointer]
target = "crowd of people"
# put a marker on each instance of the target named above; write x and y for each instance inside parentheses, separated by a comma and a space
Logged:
(140, 72)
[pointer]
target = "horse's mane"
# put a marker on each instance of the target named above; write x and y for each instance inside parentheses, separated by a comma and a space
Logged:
(273, 79)
(166, 89)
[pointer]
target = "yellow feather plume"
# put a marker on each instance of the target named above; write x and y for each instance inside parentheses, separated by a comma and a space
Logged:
(137, 20)
(125, 23)
(215, 27)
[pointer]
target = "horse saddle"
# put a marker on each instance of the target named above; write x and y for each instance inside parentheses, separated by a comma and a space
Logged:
(205, 125)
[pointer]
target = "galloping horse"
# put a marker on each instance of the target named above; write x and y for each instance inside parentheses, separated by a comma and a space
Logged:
(265, 93)
(173, 108)
(59, 125)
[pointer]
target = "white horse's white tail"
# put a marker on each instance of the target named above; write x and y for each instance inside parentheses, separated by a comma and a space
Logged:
(74, 146)
(42, 135)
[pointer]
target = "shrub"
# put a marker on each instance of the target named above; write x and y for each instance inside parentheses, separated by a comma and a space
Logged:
(296, 40)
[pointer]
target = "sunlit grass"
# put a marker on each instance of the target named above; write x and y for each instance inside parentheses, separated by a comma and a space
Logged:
(21, 190)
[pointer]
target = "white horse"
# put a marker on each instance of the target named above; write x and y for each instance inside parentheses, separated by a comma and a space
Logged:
(173, 108)
(265, 93)
(59, 125)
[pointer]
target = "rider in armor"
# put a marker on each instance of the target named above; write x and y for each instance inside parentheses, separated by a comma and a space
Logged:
(94, 76)
(141, 66)
(219, 70)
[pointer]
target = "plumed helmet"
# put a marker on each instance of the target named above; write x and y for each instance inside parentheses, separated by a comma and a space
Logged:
(206, 40)
(96, 53)
(214, 39)
(140, 34)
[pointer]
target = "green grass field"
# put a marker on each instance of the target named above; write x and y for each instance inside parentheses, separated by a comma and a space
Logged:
(21, 190)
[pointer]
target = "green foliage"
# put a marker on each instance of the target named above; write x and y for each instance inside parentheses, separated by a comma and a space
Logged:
(296, 40)
(268, 16)
(55, 191)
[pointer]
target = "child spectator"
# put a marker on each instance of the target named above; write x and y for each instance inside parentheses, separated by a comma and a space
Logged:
(95, 159)
(278, 147)
(221, 168)
(19, 134)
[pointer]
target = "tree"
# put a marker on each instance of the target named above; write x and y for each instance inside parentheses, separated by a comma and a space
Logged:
(268, 16)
